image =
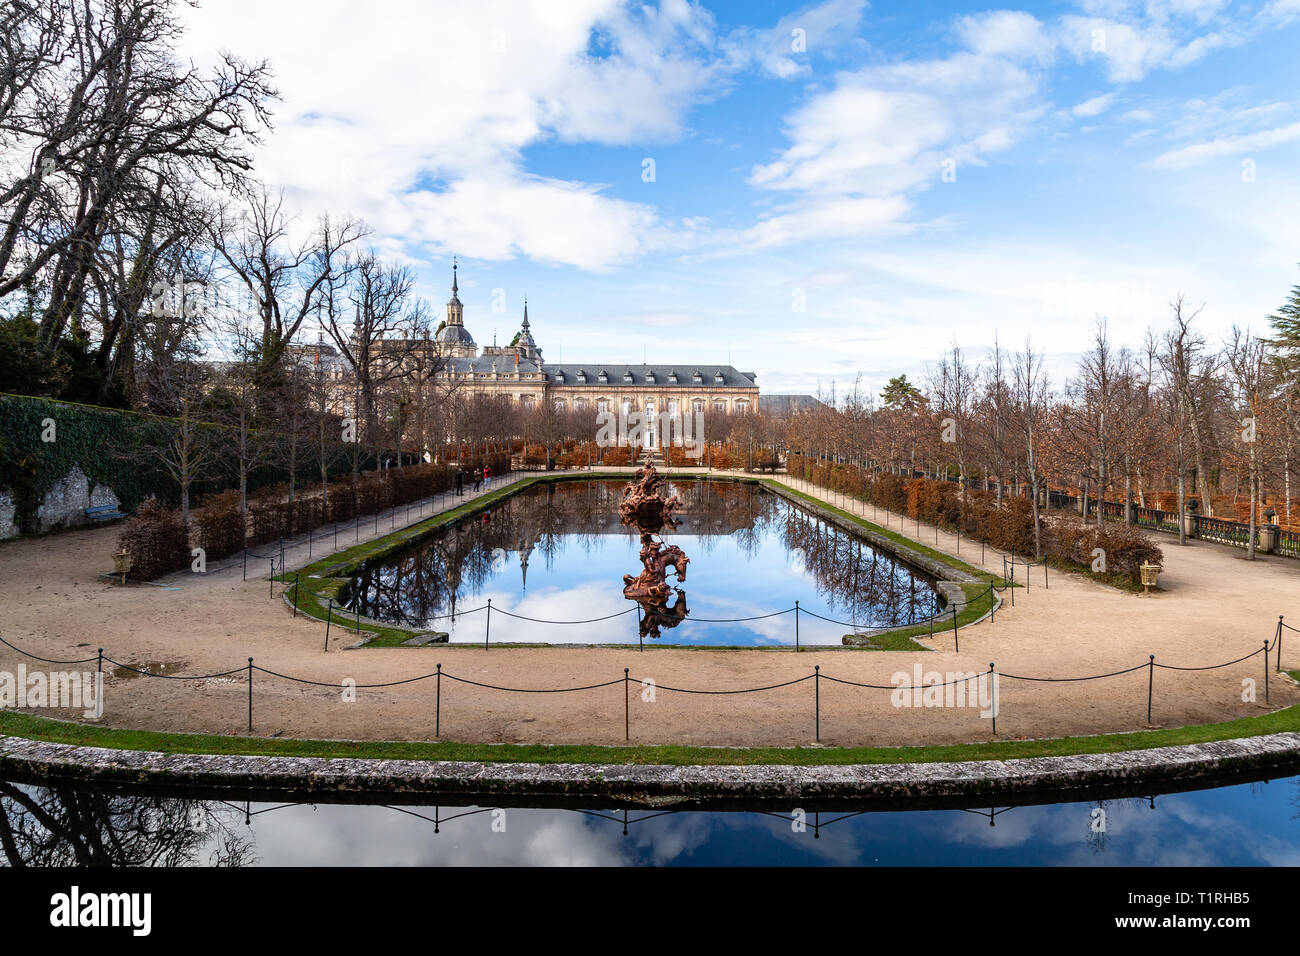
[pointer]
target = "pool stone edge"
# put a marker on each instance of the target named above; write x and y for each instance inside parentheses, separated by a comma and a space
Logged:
(43, 762)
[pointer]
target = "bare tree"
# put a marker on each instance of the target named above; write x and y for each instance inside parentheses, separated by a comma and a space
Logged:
(1030, 399)
(284, 283)
(1245, 360)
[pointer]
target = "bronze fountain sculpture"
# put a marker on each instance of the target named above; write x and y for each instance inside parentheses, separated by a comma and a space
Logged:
(643, 500)
(645, 508)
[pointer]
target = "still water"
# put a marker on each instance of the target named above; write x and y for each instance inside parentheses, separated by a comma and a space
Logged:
(557, 553)
(1246, 824)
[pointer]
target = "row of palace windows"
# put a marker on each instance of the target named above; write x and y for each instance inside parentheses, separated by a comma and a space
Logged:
(628, 405)
(650, 379)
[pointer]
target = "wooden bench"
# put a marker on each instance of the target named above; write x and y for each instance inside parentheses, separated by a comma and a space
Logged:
(103, 513)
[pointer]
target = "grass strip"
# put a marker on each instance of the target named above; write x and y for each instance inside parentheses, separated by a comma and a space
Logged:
(68, 732)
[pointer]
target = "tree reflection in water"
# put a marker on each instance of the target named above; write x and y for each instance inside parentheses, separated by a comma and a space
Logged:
(63, 826)
(445, 573)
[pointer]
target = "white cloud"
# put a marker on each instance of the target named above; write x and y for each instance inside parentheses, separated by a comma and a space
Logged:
(1130, 52)
(1282, 12)
(415, 115)
(1223, 125)
(1094, 106)
(827, 217)
(499, 217)
(1161, 35)
(1009, 33)
(859, 149)
(822, 29)
(1199, 153)
(1138, 116)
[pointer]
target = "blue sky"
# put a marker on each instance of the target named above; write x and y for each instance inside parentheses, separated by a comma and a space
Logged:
(838, 188)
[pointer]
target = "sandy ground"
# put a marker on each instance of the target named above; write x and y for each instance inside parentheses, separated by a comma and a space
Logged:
(1214, 607)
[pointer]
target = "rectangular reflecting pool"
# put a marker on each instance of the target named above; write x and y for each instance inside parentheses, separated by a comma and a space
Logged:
(552, 561)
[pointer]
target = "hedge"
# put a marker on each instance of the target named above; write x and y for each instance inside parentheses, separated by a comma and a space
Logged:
(1009, 527)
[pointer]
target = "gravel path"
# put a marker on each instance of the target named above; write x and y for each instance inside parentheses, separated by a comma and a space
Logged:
(1214, 606)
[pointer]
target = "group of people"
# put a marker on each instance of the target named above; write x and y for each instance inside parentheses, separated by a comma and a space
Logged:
(482, 478)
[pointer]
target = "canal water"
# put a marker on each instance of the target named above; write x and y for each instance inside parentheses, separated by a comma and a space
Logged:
(1254, 823)
(556, 554)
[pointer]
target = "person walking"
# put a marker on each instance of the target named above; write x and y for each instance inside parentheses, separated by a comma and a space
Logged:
(460, 481)
(478, 479)
(487, 476)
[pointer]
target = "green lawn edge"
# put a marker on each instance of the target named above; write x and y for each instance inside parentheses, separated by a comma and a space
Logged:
(45, 729)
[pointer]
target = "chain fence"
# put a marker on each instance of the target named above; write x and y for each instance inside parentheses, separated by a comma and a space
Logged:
(1270, 649)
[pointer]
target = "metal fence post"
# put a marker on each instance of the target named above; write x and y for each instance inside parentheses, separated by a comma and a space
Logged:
(1151, 677)
(993, 711)
(270, 584)
(295, 594)
(955, 645)
(1266, 672)
(329, 617)
(796, 626)
(487, 631)
(250, 695)
(817, 684)
(437, 705)
(1279, 642)
(627, 708)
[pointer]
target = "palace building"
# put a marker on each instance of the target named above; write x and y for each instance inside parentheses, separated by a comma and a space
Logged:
(519, 372)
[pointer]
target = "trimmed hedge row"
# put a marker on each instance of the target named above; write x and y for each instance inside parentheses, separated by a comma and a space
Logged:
(160, 543)
(1009, 527)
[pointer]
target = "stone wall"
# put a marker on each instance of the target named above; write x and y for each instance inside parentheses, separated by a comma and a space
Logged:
(8, 529)
(63, 505)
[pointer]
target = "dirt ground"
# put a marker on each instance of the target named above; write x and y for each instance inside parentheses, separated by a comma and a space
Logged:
(1214, 606)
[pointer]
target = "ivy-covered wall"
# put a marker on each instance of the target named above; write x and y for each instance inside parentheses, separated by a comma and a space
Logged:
(42, 441)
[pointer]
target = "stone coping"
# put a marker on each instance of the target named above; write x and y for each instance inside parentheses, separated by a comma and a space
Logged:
(913, 785)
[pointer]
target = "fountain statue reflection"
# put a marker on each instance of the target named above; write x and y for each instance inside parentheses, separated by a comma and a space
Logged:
(645, 508)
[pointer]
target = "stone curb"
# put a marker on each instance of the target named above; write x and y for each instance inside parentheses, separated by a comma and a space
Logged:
(43, 762)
